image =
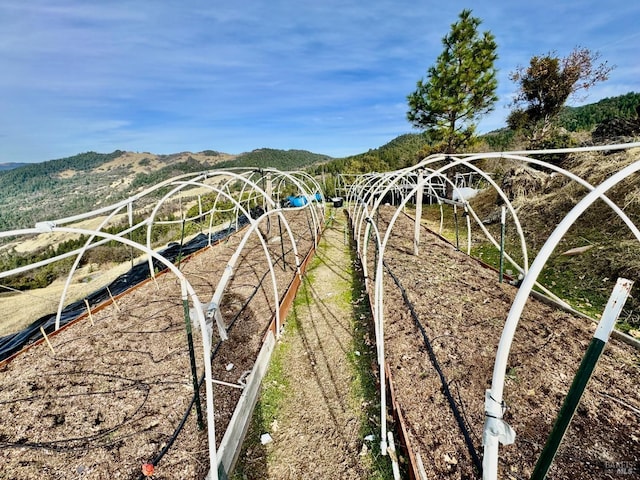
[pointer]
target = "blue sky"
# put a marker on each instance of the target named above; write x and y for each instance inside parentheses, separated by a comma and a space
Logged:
(328, 76)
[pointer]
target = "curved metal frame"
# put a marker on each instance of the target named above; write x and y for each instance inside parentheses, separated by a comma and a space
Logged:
(180, 182)
(361, 212)
(187, 290)
(494, 426)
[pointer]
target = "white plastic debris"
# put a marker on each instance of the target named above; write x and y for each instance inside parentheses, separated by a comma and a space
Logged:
(369, 438)
(230, 367)
(265, 438)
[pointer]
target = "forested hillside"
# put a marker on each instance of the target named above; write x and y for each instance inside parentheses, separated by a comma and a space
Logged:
(35, 177)
(67, 186)
(35, 191)
(400, 152)
(588, 116)
(285, 160)
(406, 149)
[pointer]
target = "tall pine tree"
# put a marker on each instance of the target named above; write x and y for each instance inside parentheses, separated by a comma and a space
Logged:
(459, 88)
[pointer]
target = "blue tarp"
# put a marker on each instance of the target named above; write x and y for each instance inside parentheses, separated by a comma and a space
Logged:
(299, 201)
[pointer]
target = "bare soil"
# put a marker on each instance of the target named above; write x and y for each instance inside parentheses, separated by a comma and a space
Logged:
(462, 309)
(111, 396)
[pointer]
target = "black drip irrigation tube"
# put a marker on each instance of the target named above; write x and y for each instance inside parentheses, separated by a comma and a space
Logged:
(14, 342)
(195, 397)
(436, 365)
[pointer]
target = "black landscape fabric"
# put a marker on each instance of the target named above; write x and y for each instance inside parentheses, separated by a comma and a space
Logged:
(14, 342)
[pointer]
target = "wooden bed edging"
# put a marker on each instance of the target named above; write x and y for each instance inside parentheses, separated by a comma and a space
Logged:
(231, 443)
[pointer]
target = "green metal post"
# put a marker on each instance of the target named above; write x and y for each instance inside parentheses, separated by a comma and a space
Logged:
(600, 337)
(455, 220)
(181, 243)
(502, 232)
(192, 358)
(284, 261)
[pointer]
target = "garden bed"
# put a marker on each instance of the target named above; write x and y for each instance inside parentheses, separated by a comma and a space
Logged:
(462, 309)
(110, 395)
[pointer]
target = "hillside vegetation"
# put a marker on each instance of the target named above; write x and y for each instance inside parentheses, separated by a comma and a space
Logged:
(577, 119)
(542, 200)
(76, 184)
(67, 186)
(286, 160)
(408, 149)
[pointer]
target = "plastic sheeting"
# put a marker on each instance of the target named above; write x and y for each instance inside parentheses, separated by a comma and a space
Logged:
(14, 342)
(299, 201)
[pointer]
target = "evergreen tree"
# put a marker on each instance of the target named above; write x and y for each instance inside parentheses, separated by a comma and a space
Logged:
(459, 88)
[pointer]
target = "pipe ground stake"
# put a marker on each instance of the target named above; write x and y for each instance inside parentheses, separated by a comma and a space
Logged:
(600, 337)
(113, 300)
(86, 302)
(46, 339)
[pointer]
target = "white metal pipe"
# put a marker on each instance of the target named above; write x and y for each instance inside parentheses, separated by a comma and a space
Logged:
(206, 344)
(379, 319)
(494, 415)
(417, 228)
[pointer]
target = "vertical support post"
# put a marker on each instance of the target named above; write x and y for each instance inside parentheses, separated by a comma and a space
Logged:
(503, 222)
(416, 231)
(181, 243)
(200, 220)
(130, 215)
(466, 215)
(267, 186)
(455, 221)
(192, 357)
(324, 183)
(600, 337)
(284, 261)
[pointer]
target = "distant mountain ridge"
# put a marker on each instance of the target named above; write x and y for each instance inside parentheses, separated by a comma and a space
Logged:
(57, 188)
(11, 165)
(66, 186)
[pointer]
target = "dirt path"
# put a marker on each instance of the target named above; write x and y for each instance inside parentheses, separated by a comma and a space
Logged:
(317, 429)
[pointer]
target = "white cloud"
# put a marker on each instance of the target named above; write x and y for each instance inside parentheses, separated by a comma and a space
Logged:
(162, 76)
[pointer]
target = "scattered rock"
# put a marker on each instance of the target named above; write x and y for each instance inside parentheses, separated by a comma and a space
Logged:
(451, 460)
